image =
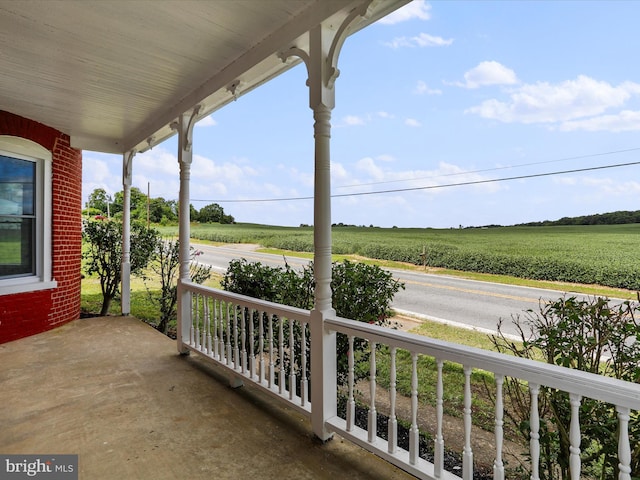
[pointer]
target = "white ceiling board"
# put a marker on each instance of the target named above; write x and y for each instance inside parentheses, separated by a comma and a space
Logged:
(113, 73)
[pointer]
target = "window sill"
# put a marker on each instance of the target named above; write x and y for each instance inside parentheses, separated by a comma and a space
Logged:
(12, 286)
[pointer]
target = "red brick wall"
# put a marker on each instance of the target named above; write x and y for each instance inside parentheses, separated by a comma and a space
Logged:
(25, 314)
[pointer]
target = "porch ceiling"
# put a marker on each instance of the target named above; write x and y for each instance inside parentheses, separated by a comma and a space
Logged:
(112, 74)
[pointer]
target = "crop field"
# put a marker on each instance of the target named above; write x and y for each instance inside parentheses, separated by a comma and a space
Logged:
(606, 255)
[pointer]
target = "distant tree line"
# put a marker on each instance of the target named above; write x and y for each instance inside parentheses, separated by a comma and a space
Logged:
(160, 211)
(613, 218)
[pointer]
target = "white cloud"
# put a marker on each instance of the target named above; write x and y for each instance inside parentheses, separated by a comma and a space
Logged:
(207, 122)
(544, 102)
(418, 9)
(426, 40)
(338, 172)
(353, 120)
(488, 73)
(368, 166)
(602, 187)
(423, 89)
(370, 175)
(624, 121)
(412, 122)
(421, 40)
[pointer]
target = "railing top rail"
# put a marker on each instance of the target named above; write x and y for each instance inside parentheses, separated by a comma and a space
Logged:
(599, 387)
(250, 302)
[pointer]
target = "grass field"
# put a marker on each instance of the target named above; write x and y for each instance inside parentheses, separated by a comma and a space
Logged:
(607, 255)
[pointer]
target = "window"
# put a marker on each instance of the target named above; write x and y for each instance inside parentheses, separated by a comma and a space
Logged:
(25, 216)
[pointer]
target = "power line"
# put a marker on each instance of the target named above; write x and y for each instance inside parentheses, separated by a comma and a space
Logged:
(579, 157)
(428, 187)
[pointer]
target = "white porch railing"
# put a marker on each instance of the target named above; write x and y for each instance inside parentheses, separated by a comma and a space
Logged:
(262, 342)
(254, 340)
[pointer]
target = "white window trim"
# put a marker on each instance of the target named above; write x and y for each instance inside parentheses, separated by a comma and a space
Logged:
(24, 149)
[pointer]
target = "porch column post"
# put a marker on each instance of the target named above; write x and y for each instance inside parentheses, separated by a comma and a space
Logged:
(323, 343)
(184, 127)
(325, 43)
(125, 271)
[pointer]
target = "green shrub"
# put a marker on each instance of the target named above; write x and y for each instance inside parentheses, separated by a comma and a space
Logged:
(589, 335)
(360, 292)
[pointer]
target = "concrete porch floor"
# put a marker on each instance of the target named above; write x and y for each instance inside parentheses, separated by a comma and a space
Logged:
(114, 391)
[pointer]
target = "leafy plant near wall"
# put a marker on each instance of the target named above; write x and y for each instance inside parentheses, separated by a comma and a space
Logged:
(360, 292)
(103, 253)
(589, 335)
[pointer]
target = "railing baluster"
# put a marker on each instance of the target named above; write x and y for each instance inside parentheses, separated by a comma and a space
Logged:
(271, 356)
(221, 324)
(215, 328)
(392, 434)
(207, 315)
(498, 464)
(574, 437)
(203, 341)
(228, 342)
(414, 431)
(624, 447)
(534, 434)
(243, 339)
(304, 386)
(281, 374)
(197, 317)
(351, 403)
(373, 414)
(236, 342)
(252, 353)
(438, 455)
(261, 345)
(292, 358)
(192, 331)
(467, 452)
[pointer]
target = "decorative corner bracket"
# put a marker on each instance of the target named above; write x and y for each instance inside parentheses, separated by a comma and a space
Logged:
(234, 89)
(188, 128)
(127, 166)
(294, 51)
(338, 41)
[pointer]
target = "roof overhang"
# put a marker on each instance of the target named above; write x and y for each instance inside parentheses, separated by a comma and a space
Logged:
(114, 75)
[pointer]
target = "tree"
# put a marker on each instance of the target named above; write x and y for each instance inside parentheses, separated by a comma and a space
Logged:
(99, 200)
(214, 213)
(166, 265)
(103, 254)
(211, 213)
(162, 211)
(138, 203)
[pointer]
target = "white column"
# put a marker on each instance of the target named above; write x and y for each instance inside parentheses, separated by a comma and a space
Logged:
(125, 271)
(323, 344)
(325, 42)
(184, 126)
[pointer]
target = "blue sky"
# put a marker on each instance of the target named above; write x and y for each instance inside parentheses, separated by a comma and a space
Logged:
(439, 93)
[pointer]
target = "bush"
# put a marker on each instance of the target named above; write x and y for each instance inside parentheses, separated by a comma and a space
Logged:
(592, 336)
(360, 292)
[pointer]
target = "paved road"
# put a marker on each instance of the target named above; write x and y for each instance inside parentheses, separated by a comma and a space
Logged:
(470, 303)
